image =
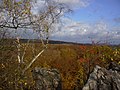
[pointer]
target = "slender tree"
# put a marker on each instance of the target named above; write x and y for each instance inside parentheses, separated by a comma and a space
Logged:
(18, 14)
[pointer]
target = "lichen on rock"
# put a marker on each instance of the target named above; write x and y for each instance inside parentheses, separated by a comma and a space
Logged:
(104, 79)
(47, 79)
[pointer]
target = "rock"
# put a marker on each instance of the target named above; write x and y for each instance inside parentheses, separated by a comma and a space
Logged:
(104, 79)
(47, 79)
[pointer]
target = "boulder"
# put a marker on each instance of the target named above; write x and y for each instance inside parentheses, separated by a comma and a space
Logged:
(104, 79)
(47, 79)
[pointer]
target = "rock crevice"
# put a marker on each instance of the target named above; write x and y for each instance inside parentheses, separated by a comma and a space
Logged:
(47, 79)
(104, 79)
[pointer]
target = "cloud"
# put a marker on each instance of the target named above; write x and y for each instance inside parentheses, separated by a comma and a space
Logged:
(85, 32)
(70, 30)
(72, 4)
(117, 20)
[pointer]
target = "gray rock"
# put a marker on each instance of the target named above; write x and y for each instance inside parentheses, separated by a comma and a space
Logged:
(104, 79)
(47, 79)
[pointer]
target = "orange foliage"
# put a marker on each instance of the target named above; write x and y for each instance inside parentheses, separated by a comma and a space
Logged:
(74, 62)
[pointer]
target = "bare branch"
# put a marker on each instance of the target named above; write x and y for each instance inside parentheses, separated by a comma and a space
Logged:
(17, 14)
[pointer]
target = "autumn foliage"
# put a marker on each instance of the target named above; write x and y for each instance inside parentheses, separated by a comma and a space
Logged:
(75, 62)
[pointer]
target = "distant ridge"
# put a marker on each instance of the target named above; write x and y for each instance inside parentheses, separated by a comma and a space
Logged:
(62, 42)
(52, 42)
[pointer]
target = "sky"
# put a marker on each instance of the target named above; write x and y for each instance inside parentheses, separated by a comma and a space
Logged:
(91, 20)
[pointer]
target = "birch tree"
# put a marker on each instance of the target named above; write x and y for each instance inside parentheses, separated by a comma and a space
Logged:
(18, 14)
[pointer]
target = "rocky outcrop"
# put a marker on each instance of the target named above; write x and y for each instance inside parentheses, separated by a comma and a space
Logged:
(47, 79)
(104, 79)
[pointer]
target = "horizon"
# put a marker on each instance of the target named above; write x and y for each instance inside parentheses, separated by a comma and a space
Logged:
(90, 21)
(94, 20)
(54, 41)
